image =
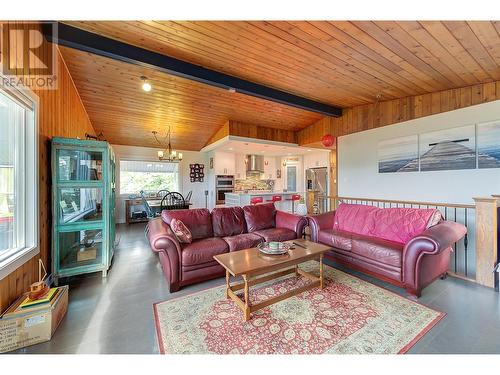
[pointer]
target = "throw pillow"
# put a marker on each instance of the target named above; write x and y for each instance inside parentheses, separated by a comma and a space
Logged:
(180, 230)
(435, 219)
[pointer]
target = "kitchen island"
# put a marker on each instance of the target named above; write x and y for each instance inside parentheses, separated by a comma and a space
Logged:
(243, 198)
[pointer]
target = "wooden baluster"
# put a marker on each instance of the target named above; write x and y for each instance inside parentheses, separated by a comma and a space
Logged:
(486, 239)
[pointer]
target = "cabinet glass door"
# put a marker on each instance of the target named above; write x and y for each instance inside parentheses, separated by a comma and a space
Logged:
(78, 165)
(80, 205)
(80, 248)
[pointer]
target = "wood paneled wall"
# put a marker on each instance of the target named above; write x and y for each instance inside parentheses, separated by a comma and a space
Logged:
(372, 116)
(241, 129)
(62, 114)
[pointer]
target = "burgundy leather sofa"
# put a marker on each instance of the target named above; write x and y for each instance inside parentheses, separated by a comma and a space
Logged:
(220, 231)
(407, 247)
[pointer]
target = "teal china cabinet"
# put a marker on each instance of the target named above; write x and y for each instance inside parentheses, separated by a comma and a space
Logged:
(83, 207)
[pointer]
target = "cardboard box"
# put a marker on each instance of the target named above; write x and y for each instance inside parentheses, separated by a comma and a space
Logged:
(19, 329)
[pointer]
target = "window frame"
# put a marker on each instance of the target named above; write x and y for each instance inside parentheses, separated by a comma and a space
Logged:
(145, 160)
(27, 221)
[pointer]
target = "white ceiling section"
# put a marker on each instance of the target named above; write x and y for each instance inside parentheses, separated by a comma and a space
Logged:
(241, 145)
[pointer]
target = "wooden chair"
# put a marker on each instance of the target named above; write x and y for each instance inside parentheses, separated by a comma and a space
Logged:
(161, 193)
(173, 201)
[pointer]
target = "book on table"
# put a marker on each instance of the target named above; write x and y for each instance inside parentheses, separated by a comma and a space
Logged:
(31, 303)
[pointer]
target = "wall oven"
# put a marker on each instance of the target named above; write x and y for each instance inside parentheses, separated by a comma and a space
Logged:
(223, 184)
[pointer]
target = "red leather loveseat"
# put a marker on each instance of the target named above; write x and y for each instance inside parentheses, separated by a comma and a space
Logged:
(404, 246)
(220, 231)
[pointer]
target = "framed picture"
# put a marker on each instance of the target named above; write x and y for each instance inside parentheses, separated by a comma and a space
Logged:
(398, 155)
(448, 149)
(211, 164)
(488, 145)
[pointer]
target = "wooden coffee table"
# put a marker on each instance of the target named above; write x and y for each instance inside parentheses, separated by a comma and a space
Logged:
(251, 263)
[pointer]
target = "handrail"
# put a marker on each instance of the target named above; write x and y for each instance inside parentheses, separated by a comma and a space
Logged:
(404, 202)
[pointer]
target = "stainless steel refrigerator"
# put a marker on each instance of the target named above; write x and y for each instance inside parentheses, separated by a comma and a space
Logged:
(317, 182)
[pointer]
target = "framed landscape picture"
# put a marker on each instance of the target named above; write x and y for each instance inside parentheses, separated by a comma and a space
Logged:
(448, 149)
(488, 145)
(398, 155)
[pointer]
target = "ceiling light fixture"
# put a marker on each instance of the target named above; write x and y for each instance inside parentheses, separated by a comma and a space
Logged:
(146, 86)
(168, 154)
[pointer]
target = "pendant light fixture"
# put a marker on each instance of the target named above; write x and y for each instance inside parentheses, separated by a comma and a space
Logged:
(167, 154)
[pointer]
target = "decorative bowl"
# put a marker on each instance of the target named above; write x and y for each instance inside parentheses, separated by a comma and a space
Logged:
(273, 248)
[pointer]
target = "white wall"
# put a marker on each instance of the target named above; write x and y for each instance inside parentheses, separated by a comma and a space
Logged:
(358, 166)
(151, 154)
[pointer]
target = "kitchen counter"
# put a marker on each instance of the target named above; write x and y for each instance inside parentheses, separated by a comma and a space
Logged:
(254, 193)
(243, 199)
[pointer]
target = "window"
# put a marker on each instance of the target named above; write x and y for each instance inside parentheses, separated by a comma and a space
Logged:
(149, 176)
(18, 180)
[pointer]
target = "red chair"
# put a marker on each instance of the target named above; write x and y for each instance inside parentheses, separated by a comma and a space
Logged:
(256, 200)
(274, 198)
(293, 198)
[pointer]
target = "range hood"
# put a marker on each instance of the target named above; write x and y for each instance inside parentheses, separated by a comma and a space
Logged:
(254, 163)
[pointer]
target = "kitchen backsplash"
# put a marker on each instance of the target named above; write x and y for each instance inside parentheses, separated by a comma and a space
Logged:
(253, 183)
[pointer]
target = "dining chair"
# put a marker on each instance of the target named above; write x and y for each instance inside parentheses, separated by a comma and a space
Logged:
(173, 201)
(151, 214)
(161, 193)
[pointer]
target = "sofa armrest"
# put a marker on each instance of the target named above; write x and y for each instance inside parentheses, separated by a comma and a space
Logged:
(321, 221)
(293, 222)
(163, 241)
(161, 237)
(432, 241)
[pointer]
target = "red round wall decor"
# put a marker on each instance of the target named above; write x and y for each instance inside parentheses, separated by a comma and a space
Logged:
(328, 140)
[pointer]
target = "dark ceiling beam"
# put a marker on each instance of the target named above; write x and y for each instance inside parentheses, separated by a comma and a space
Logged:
(82, 40)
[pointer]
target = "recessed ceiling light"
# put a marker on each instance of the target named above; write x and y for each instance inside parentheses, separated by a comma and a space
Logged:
(146, 86)
(230, 149)
(309, 150)
(231, 89)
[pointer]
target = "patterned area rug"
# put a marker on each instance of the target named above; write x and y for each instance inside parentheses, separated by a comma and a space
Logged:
(348, 316)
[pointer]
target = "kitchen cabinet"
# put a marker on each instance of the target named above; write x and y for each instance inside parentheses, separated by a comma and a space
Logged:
(269, 169)
(224, 163)
(241, 167)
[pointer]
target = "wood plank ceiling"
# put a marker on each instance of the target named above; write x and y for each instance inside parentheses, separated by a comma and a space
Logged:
(340, 63)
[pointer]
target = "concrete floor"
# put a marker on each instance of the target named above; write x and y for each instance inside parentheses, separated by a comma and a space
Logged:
(114, 315)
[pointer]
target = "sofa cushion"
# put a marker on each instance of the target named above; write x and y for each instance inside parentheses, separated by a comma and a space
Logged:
(277, 234)
(243, 241)
(228, 221)
(377, 249)
(401, 224)
(335, 238)
(354, 218)
(198, 221)
(393, 224)
(260, 216)
(202, 250)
